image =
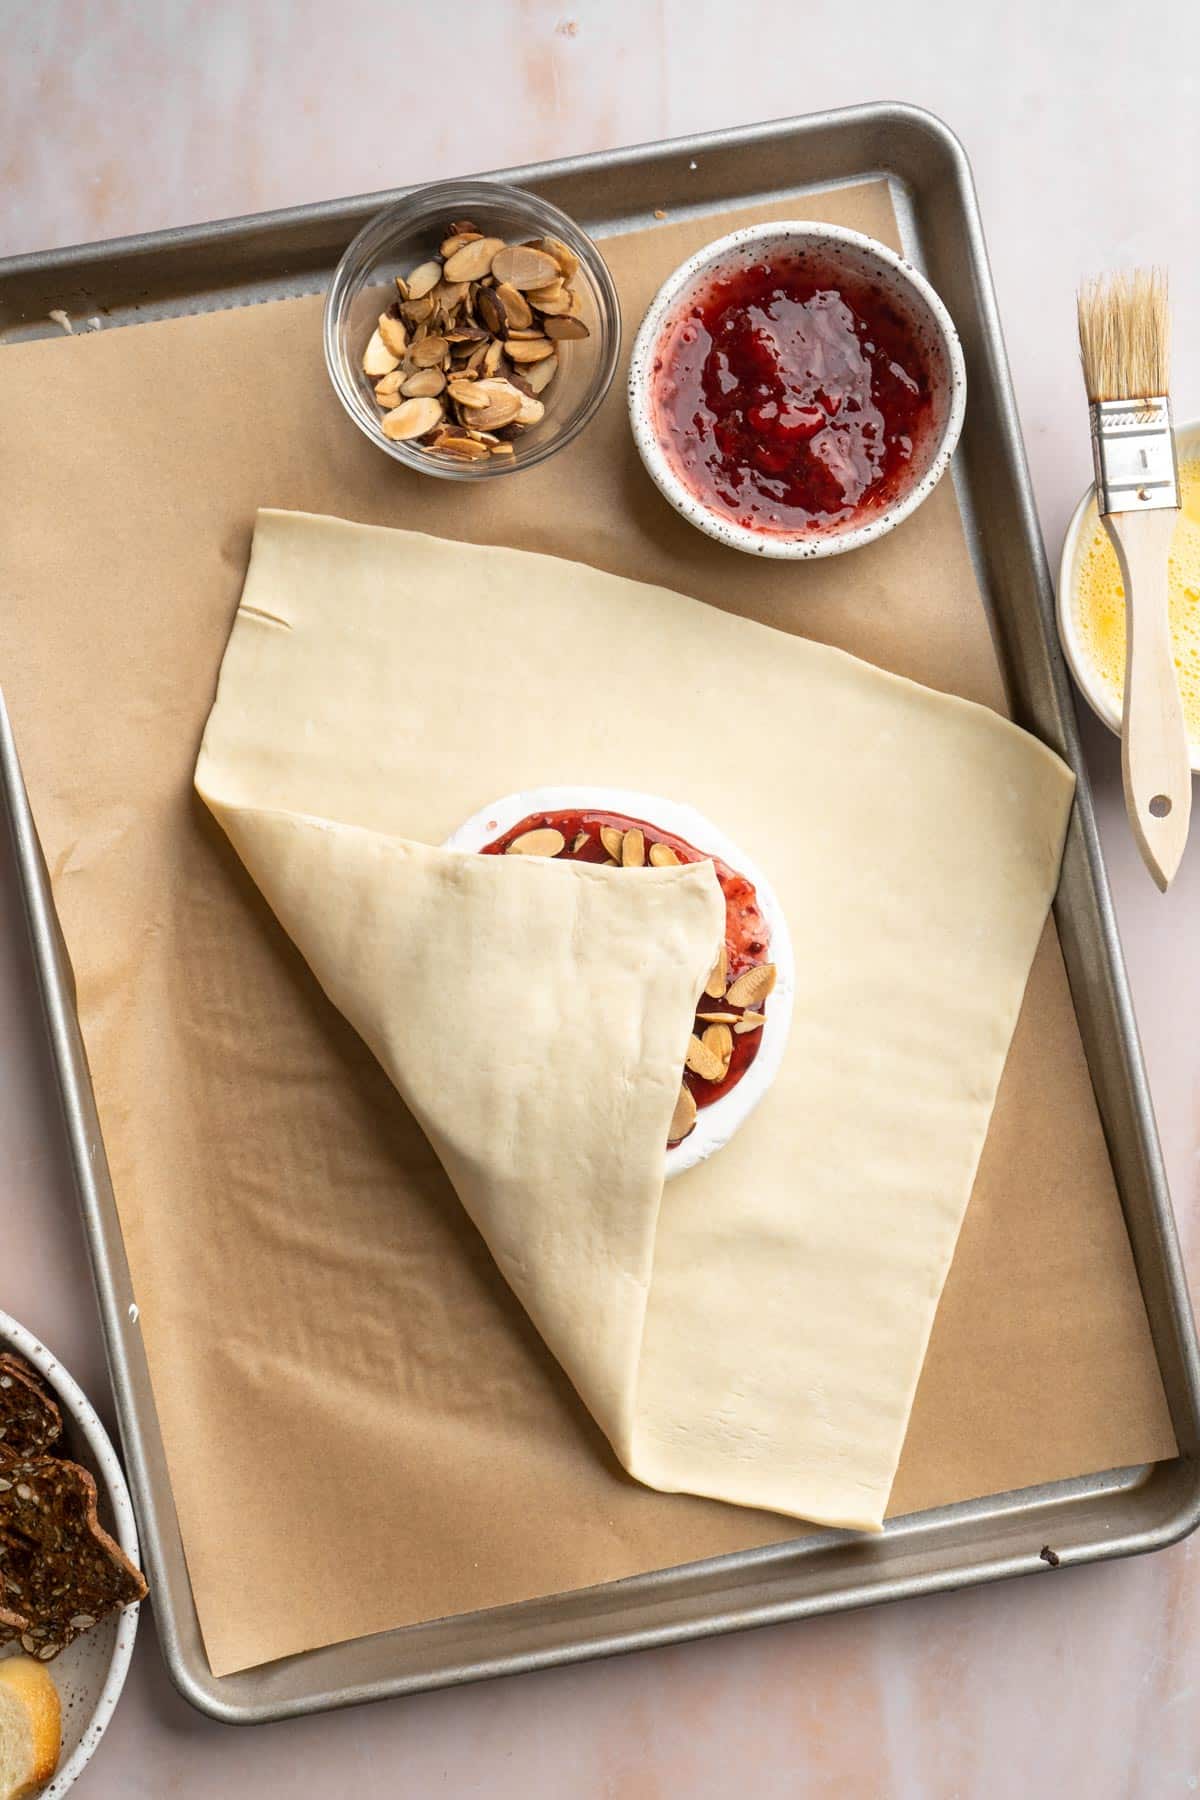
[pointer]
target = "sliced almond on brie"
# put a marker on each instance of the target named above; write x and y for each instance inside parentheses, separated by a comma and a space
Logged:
(752, 986)
(544, 840)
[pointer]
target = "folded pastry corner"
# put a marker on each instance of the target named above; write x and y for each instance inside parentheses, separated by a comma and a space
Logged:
(534, 1016)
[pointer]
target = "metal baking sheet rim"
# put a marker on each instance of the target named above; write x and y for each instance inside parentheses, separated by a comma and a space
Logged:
(1117, 1513)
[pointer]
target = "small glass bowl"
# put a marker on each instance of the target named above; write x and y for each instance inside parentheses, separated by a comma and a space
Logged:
(409, 233)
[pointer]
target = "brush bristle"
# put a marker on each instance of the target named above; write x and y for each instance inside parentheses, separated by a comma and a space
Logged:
(1125, 335)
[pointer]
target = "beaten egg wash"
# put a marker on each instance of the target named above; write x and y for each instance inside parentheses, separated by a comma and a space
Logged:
(1100, 603)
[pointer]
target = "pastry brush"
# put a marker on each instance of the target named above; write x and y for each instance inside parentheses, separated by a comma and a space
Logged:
(1124, 340)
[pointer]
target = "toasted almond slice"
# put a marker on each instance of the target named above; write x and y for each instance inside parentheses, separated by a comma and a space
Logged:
(459, 444)
(581, 838)
(662, 856)
(477, 359)
(753, 986)
(633, 848)
(719, 1039)
(532, 411)
(522, 267)
(417, 311)
(566, 259)
(377, 358)
(424, 279)
(473, 259)
(719, 1018)
(610, 837)
(492, 311)
(528, 332)
(554, 290)
(450, 294)
(556, 306)
(389, 384)
(393, 333)
(402, 287)
(492, 357)
(457, 241)
(463, 225)
(538, 376)
(543, 840)
(714, 987)
(423, 384)
(516, 306)
(528, 350)
(501, 450)
(748, 1022)
(412, 418)
(702, 1061)
(429, 351)
(470, 394)
(683, 1119)
(503, 405)
(566, 328)
(481, 437)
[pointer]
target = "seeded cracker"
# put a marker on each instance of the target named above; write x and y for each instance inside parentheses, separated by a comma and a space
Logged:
(29, 1419)
(60, 1570)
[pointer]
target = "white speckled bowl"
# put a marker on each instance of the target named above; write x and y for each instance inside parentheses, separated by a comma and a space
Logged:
(90, 1673)
(715, 1124)
(860, 256)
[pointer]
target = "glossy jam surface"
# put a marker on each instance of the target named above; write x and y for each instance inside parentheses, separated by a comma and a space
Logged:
(747, 935)
(792, 398)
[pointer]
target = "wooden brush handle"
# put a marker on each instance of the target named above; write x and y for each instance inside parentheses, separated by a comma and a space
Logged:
(1155, 755)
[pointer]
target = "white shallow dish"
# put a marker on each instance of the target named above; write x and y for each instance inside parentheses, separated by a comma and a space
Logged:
(1084, 519)
(715, 1124)
(90, 1673)
(861, 256)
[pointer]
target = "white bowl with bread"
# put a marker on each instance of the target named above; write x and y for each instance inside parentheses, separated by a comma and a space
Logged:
(64, 1653)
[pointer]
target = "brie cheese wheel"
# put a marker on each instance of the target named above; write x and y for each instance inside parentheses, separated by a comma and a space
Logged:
(721, 1118)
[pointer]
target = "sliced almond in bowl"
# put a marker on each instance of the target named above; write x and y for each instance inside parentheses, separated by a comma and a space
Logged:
(503, 403)
(424, 382)
(412, 418)
(528, 350)
(538, 376)
(394, 333)
(523, 267)
(566, 328)
(423, 280)
(377, 358)
(471, 261)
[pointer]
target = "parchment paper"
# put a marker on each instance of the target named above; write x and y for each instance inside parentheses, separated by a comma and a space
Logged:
(362, 1427)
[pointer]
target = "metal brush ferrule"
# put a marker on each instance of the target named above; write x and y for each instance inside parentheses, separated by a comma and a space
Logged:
(1133, 448)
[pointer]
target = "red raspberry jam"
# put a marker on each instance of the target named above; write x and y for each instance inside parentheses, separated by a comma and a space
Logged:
(791, 397)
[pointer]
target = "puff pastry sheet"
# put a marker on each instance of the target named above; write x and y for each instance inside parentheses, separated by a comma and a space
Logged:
(754, 1334)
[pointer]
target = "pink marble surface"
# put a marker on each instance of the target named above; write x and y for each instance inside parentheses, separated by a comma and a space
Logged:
(123, 115)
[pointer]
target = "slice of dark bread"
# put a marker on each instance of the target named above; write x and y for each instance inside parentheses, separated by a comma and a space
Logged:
(29, 1418)
(60, 1569)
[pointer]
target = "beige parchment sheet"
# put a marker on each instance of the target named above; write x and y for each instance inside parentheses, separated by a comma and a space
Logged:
(363, 1427)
